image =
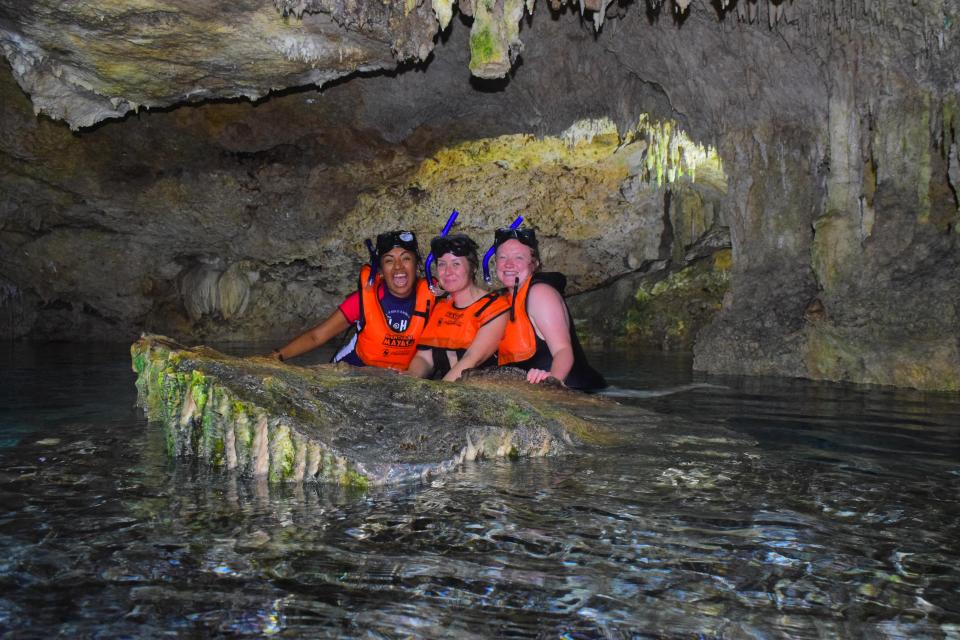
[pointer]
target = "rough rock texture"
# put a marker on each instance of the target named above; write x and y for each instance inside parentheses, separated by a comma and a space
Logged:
(845, 235)
(83, 62)
(835, 121)
(666, 304)
(247, 221)
(259, 417)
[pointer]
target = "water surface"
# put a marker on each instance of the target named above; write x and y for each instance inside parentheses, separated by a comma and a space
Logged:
(747, 508)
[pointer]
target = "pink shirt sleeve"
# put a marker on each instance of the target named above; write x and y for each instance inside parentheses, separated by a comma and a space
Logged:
(350, 308)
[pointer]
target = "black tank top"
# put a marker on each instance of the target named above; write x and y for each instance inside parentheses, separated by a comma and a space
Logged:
(582, 376)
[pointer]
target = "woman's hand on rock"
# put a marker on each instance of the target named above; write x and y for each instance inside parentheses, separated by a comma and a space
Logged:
(536, 376)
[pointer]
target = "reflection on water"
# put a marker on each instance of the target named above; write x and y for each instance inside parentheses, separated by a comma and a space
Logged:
(749, 508)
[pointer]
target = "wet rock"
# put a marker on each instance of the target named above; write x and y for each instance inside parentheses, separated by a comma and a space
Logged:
(336, 423)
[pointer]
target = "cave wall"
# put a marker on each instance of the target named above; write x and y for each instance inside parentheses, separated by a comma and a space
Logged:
(131, 225)
(824, 247)
(857, 286)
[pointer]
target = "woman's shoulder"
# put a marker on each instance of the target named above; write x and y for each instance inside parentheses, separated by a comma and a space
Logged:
(553, 279)
(543, 294)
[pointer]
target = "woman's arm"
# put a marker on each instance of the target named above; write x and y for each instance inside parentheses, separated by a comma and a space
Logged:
(313, 338)
(483, 346)
(548, 313)
(422, 364)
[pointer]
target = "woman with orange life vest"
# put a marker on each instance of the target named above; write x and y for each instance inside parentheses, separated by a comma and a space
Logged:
(389, 308)
(467, 322)
(540, 336)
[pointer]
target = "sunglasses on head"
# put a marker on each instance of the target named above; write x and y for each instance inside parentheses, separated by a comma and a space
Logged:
(393, 239)
(457, 246)
(525, 236)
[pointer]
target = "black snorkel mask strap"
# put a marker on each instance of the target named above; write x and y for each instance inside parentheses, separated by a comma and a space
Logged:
(374, 261)
(429, 262)
(493, 249)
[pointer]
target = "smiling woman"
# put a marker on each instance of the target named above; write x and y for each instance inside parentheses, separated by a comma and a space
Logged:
(467, 323)
(540, 337)
(389, 310)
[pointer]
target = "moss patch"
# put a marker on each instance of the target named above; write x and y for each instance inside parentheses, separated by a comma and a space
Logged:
(668, 313)
(351, 478)
(482, 47)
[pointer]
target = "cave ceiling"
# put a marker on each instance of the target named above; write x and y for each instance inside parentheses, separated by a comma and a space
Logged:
(84, 62)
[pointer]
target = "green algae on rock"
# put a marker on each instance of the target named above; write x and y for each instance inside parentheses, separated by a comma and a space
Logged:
(335, 423)
(669, 313)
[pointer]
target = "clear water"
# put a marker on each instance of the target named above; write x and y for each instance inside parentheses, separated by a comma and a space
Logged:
(749, 508)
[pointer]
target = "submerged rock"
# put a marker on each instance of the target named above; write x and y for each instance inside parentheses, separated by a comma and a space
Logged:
(336, 423)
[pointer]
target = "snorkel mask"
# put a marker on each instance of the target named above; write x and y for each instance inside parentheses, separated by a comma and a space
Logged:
(498, 239)
(426, 268)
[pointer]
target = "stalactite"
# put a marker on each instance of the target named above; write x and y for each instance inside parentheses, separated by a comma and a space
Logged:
(670, 154)
(777, 9)
(494, 37)
(812, 19)
(599, 9)
(443, 9)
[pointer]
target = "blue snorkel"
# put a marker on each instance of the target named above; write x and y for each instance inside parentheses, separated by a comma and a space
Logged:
(373, 261)
(492, 250)
(426, 267)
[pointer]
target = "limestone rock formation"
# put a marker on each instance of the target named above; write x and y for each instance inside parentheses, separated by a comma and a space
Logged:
(83, 62)
(259, 417)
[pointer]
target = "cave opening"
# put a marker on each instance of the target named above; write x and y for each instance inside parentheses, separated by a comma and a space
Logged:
(224, 168)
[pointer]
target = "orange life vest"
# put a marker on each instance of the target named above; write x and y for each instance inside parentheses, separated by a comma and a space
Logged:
(377, 344)
(519, 341)
(452, 328)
